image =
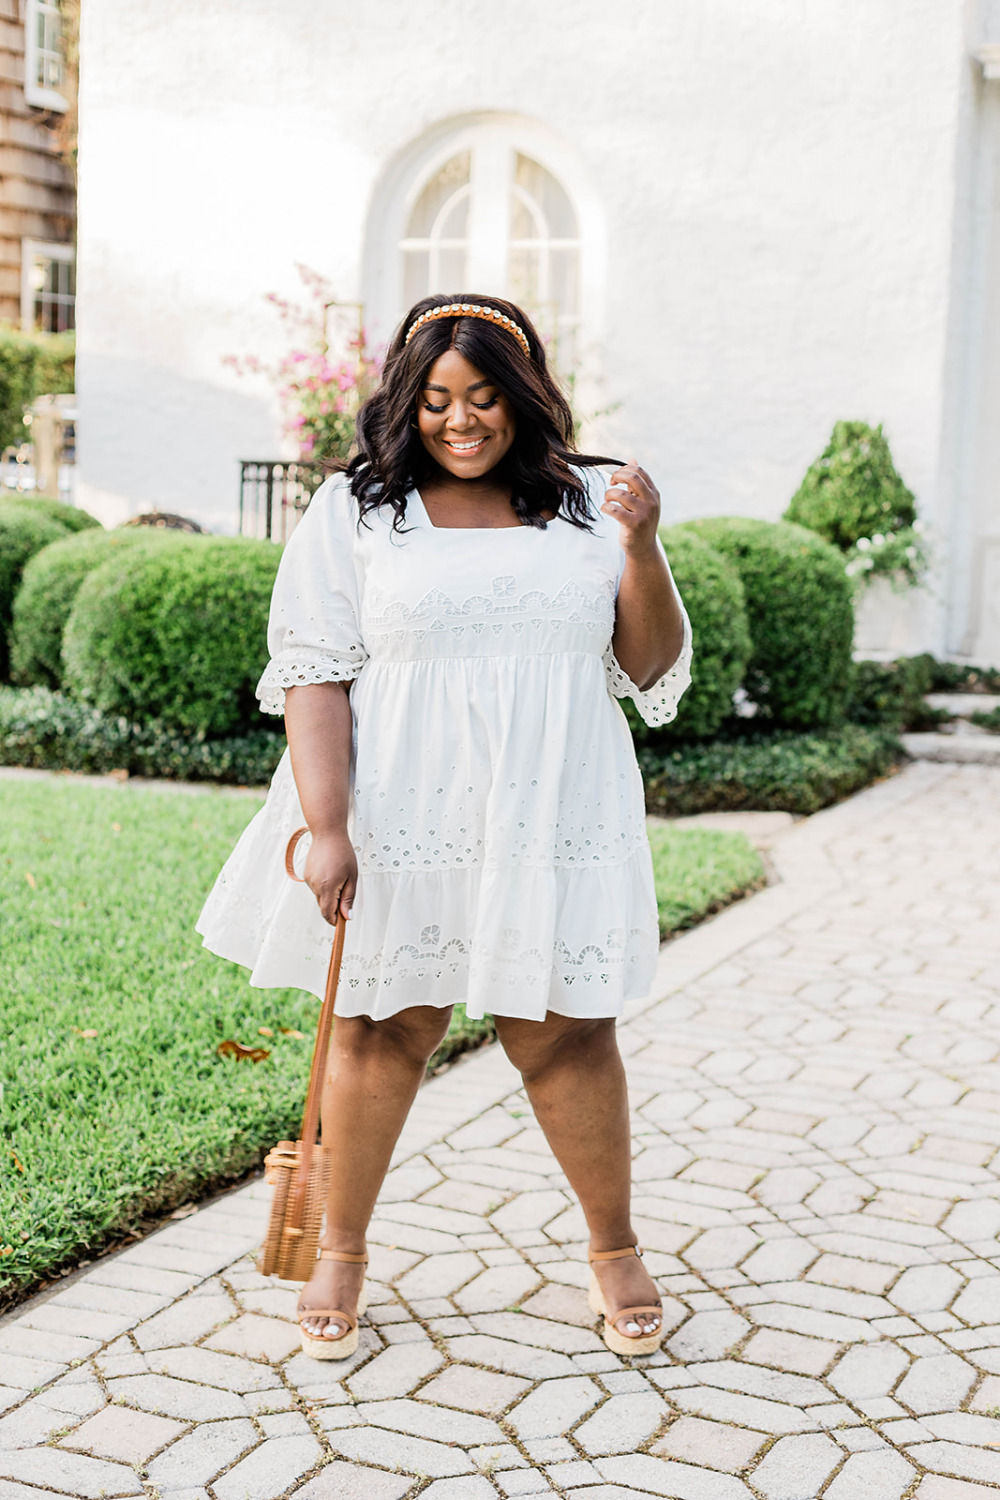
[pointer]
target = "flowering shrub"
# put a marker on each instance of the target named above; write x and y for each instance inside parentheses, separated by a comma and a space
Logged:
(900, 556)
(854, 497)
(320, 392)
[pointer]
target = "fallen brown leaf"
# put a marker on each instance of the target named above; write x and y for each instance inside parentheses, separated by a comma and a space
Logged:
(117, 827)
(231, 1048)
(89, 1032)
(264, 1031)
(185, 1211)
(291, 1031)
(31, 880)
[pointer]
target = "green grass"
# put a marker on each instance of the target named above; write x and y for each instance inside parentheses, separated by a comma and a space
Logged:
(99, 891)
(697, 871)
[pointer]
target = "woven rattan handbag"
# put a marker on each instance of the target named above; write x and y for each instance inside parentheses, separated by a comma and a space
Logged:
(299, 1170)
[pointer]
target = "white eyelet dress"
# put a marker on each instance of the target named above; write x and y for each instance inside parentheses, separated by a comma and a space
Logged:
(498, 812)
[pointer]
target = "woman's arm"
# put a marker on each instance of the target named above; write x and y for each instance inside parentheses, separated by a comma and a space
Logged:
(649, 625)
(319, 728)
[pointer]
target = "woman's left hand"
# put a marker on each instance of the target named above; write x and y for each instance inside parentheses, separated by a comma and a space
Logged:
(634, 501)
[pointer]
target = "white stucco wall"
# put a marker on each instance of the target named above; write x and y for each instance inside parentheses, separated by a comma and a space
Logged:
(778, 178)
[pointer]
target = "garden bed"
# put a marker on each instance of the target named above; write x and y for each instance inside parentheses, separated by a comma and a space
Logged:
(779, 772)
(117, 1107)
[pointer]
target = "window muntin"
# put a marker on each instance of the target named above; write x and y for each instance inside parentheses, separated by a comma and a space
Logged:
(435, 249)
(48, 287)
(43, 55)
(492, 218)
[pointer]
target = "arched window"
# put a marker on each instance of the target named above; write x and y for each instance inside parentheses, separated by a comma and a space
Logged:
(485, 208)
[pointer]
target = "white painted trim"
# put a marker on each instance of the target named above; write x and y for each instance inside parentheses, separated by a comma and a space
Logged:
(39, 98)
(51, 250)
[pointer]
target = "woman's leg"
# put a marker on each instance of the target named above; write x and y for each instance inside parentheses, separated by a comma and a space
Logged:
(374, 1072)
(573, 1074)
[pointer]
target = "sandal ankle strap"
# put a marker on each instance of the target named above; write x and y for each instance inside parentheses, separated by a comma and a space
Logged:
(345, 1256)
(614, 1254)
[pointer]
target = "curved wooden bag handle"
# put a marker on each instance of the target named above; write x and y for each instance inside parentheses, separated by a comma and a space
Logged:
(293, 844)
(310, 1119)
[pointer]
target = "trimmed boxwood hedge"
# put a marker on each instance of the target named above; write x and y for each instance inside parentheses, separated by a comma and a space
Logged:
(70, 516)
(22, 534)
(45, 599)
(780, 772)
(853, 489)
(47, 731)
(178, 636)
(713, 596)
(798, 600)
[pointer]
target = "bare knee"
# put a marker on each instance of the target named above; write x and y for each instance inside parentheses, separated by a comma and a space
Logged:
(415, 1033)
(534, 1046)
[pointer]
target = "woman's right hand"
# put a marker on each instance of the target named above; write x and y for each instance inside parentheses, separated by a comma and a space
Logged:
(331, 873)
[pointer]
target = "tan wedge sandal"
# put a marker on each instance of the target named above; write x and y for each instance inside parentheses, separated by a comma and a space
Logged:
(620, 1343)
(346, 1345)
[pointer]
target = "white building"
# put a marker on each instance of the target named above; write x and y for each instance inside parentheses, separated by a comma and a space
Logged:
(747, 217)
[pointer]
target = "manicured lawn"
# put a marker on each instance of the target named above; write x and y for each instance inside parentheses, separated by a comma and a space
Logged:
(698, 871)
(115, 1104)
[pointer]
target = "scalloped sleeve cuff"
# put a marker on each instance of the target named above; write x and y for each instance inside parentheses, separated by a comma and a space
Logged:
(298, 667)
(658, 704)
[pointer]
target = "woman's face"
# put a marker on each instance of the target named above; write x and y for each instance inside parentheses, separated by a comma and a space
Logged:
(464, 422)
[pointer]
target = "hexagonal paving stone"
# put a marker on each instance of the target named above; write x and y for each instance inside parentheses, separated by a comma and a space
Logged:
(129, 1436)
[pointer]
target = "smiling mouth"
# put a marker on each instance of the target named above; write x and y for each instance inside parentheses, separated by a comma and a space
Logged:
(472, 445)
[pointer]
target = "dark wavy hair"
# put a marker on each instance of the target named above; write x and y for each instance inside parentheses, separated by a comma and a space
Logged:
(391, 459)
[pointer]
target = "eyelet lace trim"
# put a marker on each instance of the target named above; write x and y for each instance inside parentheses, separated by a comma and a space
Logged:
(296, 668)
(658, 704)
(511, 966)
(384, 611)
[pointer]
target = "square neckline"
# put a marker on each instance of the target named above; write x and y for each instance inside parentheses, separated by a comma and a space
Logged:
(415, 494)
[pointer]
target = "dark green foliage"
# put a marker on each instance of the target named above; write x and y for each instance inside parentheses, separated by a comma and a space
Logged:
(713, 595)
(48, 590)
(853, 489)
(798, 601)
(989, 720)
(19, 360)
(51, 732)
(56, 363)
(891, 694)
(798, 773)
(70, 516)
(22, 534)
(956, 677)
(179, 635)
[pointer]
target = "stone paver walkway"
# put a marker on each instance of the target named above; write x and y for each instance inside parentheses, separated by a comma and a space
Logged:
(816, 1096)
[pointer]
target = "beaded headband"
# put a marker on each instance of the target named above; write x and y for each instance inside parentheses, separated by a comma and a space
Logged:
(470, 310)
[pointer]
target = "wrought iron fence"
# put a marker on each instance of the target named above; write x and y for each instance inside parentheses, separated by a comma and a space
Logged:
(273, 495)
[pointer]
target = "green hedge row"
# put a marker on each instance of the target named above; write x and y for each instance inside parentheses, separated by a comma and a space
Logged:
(716, 603)
(782, 772)
(45, 599)
(175, 632)
(49, 732)
(27, 525)
(800, 617)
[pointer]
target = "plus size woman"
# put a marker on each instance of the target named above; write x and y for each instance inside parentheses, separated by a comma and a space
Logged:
(452, 622)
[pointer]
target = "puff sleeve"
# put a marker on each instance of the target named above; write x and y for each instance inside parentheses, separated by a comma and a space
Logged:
(314, 632)
(658, 704)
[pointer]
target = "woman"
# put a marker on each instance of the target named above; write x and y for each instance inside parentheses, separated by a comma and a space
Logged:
(449, 622)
